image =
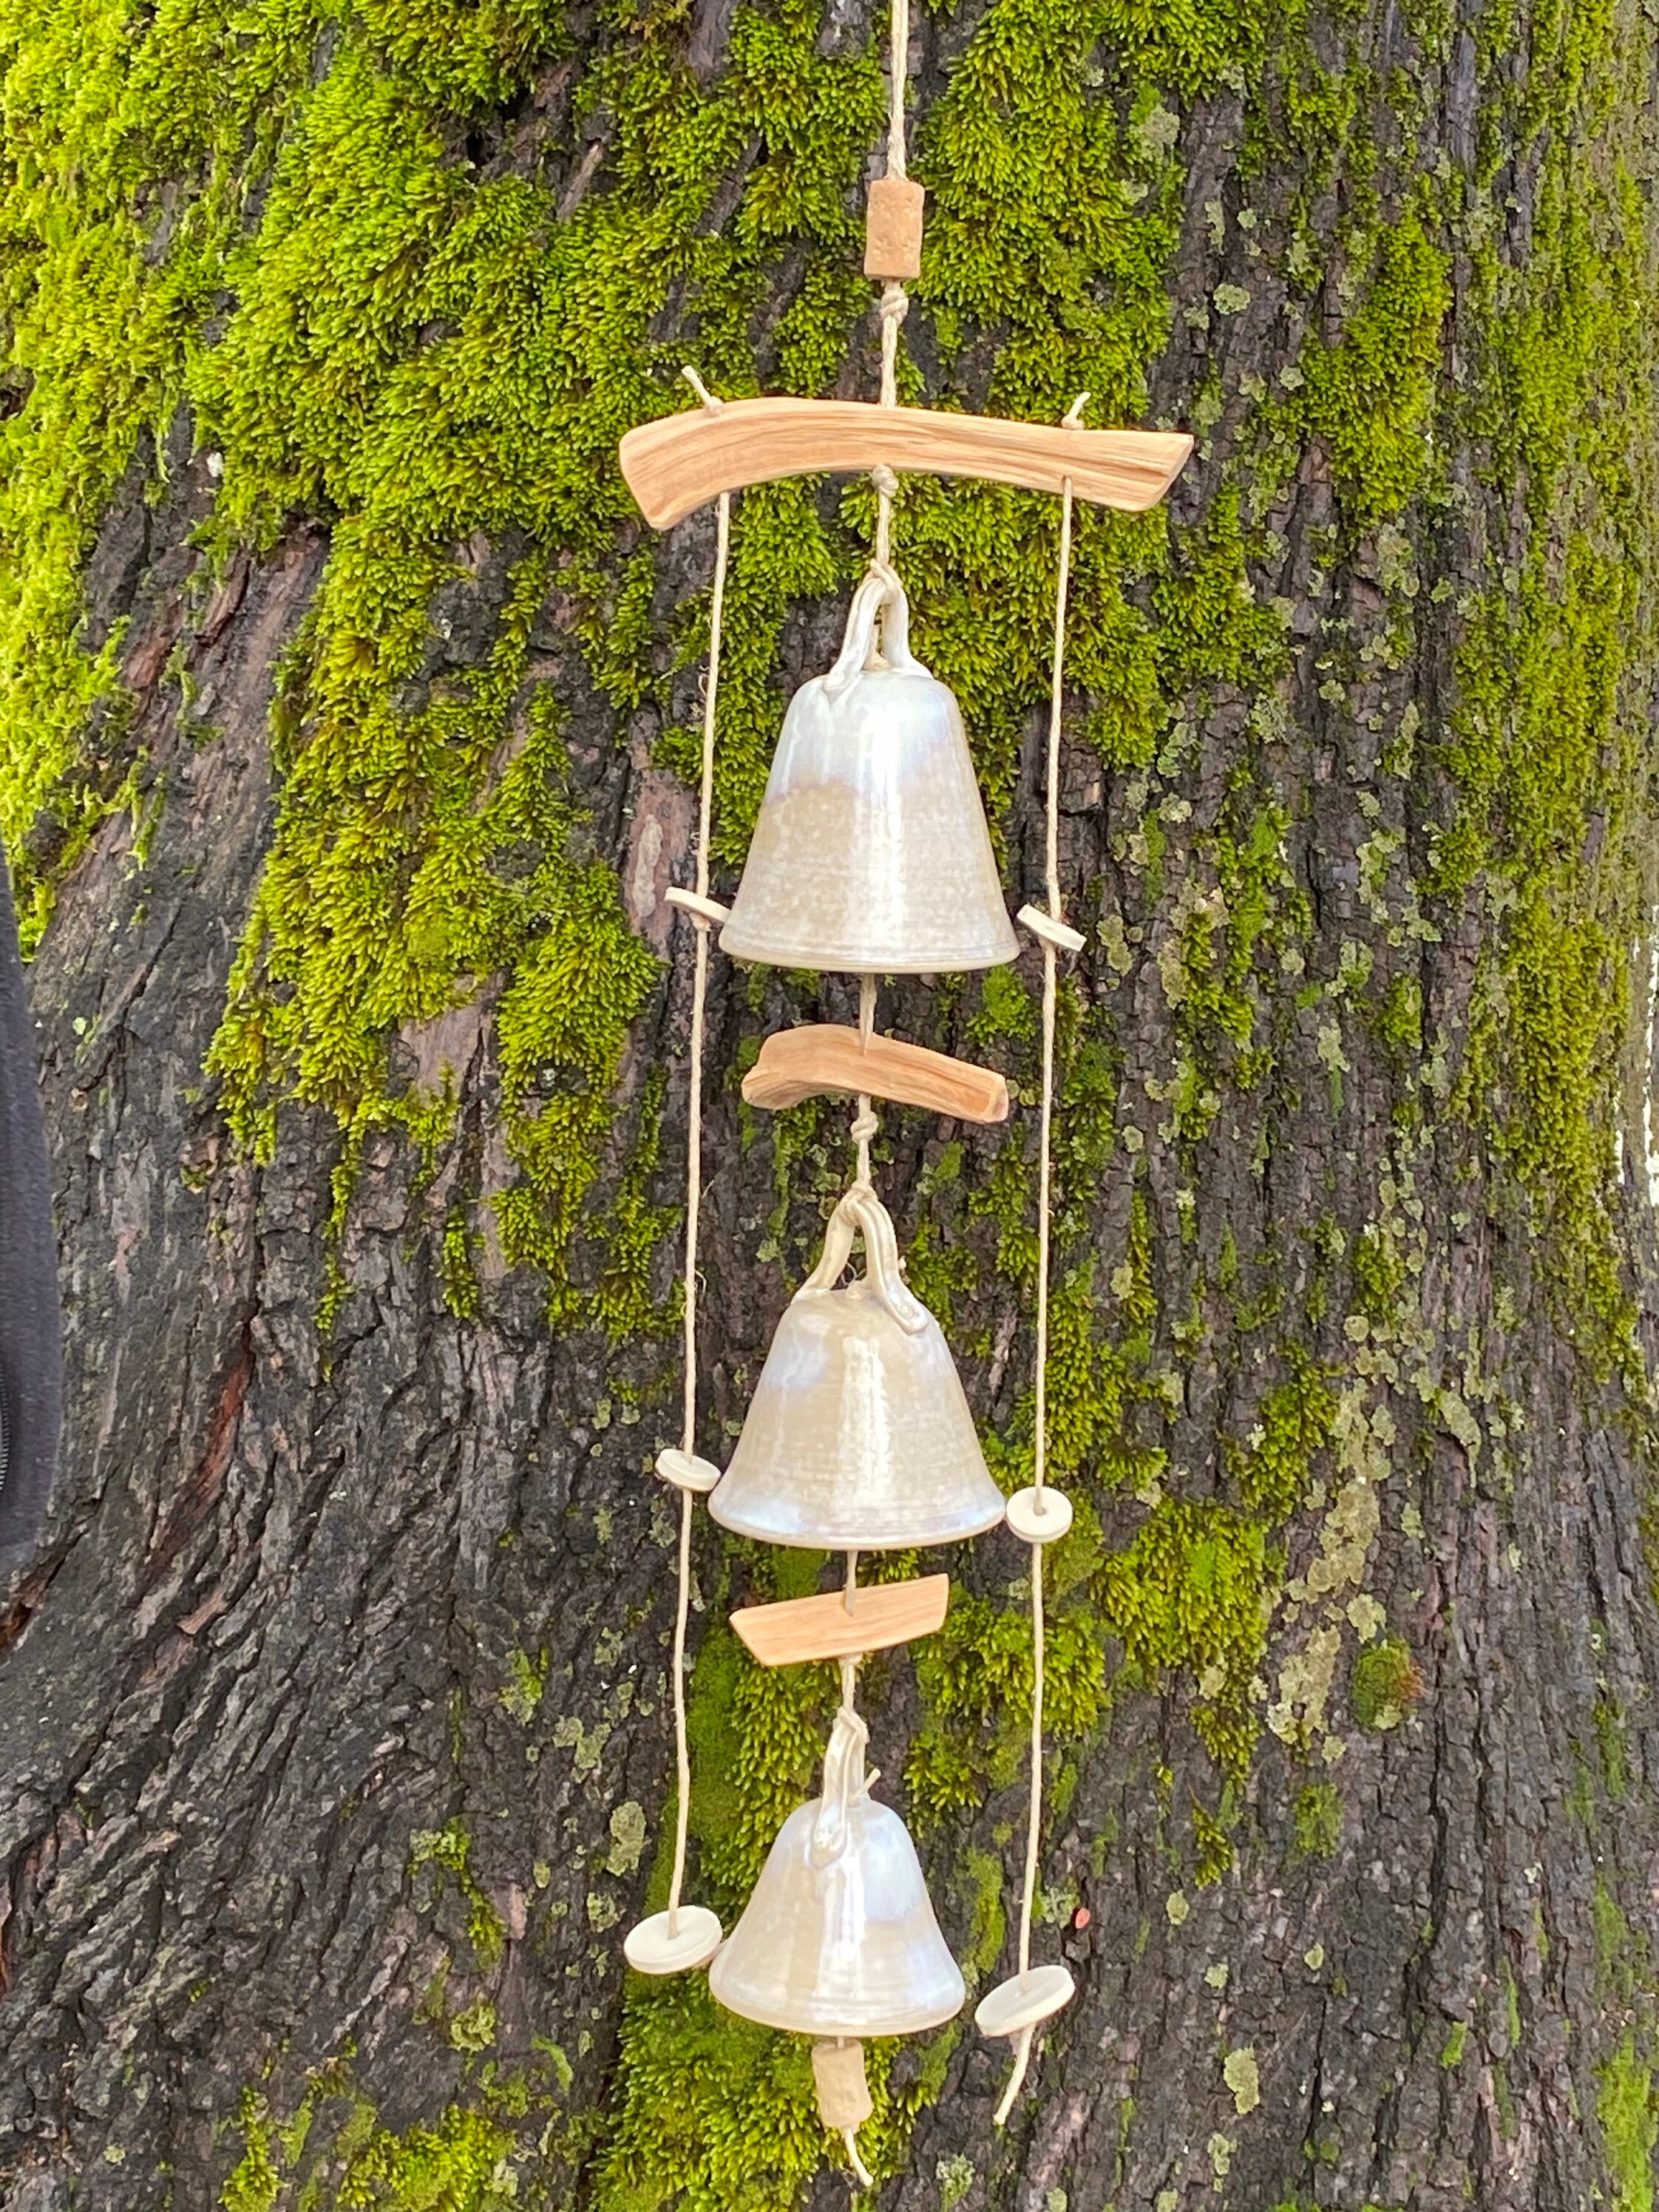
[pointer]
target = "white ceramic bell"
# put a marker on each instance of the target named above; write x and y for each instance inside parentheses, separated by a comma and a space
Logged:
(859, 1438)
(839, 1938)
(871, 855)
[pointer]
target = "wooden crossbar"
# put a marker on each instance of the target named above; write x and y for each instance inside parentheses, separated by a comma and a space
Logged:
(681, 462)
(826, 1059)
(881, 1615)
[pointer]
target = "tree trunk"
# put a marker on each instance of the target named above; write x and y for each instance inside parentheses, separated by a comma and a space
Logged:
(349, 715)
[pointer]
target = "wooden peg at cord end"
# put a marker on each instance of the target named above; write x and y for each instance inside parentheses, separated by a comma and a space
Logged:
(1050, 929)
(892, 230)
(699, 908)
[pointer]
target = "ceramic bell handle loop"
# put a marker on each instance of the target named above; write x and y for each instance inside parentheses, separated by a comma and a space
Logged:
(843, 1783)
(881, 1260)
(861, 1213)
(880, 596)
(837, 1249)
(895, 620)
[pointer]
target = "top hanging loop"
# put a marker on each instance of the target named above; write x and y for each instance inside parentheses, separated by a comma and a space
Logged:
(879, 606)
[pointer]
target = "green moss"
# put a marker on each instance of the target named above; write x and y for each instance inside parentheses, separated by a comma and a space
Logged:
(1451, 2054)
(447, 1852)
(101, 325)
(1609, 1721)
(975, 1681)
(1386, 1685)
(1548, 735)
(526, 1678)
(1625, 2108)
(1187, 1593)
(462, 2162)
(709, 2108)
(1294, 1425)
(255, 2182)
(1318, 1820)
(1620, 1951)
(1370, 398)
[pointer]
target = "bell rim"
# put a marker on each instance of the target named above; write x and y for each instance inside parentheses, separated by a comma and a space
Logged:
(821, 960)
(843, 1540)
(915, 2022)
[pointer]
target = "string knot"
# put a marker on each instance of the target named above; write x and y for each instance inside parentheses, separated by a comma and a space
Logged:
(865, 1126)
(894, 302)
(883, 480)
(708, 397)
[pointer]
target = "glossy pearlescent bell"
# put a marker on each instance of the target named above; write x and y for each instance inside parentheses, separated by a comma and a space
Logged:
(859, 1437)
(839, 1938)
(871, 855)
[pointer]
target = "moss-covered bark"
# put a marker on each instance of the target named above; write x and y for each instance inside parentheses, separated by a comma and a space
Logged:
(346, 716)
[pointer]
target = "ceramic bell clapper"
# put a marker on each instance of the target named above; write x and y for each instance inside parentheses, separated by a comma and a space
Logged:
(839, 1940)
(871, 855)
(859, 1438)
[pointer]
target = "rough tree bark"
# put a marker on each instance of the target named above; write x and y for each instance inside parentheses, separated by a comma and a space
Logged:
(333, 1714)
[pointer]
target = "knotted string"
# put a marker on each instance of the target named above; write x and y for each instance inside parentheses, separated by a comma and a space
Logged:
(694, 1177)
(1040, 1451)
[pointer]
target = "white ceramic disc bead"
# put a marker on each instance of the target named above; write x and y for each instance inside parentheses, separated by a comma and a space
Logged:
(1021, 2002)
(1037, 1520)
(687, 1472)
(655, 1947)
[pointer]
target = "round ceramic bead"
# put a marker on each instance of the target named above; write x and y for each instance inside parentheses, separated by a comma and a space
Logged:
(1037, 1520)
(687, 1472)
(1021, 2002)
(673, 1943)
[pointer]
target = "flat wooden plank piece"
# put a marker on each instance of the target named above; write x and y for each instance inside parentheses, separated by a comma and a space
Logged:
(682, 461)
(826, 1059)
(883, 1614)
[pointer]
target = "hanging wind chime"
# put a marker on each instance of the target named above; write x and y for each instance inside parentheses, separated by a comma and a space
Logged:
(870, 857)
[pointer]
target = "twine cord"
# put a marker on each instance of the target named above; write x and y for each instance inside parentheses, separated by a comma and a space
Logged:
(866, 2179)
(899, 40)
(694, 1178)
(895, 300)
(1040, 1447)
(865, 1122)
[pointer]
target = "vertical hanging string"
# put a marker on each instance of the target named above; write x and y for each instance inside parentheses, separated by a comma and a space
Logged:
(864, 1123)
(895, 306)
(1040, 1451)
(895, 300)
(694, 1178)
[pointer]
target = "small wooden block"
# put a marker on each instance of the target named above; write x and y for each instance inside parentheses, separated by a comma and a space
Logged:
(883, 1614)
(827, 1058)
(843, 2086)
(892, 230)
(1059, 934)
(679, 462)
(701, 908)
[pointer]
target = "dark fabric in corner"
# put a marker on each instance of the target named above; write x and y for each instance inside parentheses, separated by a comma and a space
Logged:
(30, 1344)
